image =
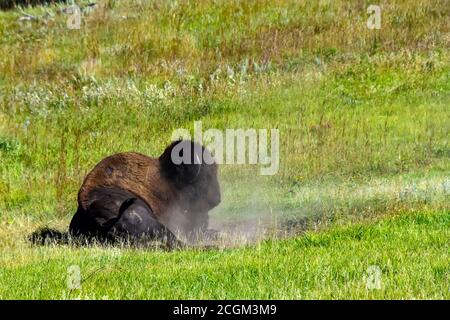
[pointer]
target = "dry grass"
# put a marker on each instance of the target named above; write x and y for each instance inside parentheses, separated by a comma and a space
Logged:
(143, 38)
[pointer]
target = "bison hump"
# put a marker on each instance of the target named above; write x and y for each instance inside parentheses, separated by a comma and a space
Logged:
(130, 171)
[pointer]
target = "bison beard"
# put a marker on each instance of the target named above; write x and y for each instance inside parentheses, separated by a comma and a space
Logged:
(132, 197)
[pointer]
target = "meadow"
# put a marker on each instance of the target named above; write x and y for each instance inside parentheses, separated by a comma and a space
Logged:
(364, 120)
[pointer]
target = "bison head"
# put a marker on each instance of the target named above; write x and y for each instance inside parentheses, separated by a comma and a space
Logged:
(192, 170)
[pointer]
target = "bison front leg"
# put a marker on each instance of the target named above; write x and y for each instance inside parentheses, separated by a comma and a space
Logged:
(199, 228)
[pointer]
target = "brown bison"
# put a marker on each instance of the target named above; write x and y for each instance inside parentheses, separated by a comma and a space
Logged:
(134, 197)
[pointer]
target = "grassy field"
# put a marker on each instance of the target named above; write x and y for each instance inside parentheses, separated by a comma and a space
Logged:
(364, 122)
(410, 252)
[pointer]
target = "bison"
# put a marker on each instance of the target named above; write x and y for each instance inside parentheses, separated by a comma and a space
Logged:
(130, 196)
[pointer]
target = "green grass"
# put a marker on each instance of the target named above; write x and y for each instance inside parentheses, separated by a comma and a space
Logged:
(410, 250)
(364, 124)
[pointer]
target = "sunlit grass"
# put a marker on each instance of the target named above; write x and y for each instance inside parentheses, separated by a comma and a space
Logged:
(410, 252)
